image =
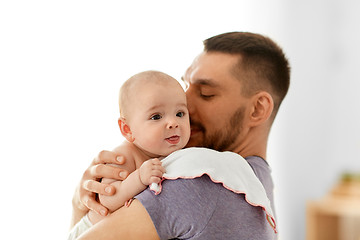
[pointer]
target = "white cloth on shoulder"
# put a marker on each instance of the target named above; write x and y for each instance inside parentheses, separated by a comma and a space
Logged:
(227, 168)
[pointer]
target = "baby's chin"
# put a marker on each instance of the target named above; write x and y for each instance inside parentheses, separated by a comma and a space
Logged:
(166, 153)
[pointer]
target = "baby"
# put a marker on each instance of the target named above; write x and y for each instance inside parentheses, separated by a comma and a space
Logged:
(154, 119)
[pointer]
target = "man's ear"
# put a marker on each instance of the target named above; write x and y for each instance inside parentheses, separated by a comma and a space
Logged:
(263, 106)
(125, 129)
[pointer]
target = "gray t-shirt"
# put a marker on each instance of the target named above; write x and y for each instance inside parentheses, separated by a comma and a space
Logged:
(201, 209)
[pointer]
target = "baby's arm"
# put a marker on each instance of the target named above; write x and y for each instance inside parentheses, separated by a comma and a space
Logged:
(149, 172)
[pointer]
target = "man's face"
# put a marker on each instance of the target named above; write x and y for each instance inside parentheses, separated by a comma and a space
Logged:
(216, 105)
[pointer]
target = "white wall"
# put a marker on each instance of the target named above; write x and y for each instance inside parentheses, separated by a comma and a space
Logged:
(62, 62)
(317, 135)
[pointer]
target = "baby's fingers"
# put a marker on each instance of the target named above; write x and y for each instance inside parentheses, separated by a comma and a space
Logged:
(155, 179)
(155, 161)
(158, 167)
(156, 173)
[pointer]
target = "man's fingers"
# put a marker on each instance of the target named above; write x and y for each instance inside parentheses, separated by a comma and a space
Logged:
(108, 171)
(95, 206)
(91, 186)
(108, 157)
(100, 188)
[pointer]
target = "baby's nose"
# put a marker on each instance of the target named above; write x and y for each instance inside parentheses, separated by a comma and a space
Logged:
(173, 124)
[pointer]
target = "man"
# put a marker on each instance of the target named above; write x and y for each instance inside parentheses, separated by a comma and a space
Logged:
(234, 90)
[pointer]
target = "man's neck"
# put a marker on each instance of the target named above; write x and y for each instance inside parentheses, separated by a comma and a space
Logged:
(253, 145)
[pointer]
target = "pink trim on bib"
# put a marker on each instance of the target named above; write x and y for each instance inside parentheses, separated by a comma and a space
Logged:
(227, 168)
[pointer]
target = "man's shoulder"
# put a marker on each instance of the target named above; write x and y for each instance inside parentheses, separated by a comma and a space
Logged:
(260, 167)
(186, 204)
(197, 207)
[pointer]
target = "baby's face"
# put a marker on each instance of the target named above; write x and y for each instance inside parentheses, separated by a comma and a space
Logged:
(159, 118)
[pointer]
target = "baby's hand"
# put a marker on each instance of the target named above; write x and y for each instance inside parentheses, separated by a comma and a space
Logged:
(151, 171)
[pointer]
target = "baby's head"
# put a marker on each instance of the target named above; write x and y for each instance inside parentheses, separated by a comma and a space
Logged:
(153, 113)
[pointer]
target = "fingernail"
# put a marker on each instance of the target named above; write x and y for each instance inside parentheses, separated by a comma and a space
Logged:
(108, 189)
(103, 212)
(120, 159)
(123, 174)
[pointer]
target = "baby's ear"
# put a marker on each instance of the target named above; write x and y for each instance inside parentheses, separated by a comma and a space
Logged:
(125, 129)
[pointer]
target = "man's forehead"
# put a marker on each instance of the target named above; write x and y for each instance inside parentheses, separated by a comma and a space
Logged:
(190, 69)
(195, 74)
(212, 70)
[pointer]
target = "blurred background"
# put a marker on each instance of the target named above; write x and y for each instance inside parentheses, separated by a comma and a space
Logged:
(62, 63)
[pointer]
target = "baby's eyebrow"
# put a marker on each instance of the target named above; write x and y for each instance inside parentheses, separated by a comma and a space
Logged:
(154, 107)
(182, 105)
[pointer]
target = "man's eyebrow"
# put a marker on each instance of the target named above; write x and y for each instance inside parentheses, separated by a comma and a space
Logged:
(202, 81)
(206, 82)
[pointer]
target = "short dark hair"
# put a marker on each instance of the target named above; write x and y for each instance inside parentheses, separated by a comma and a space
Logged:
(262, 64)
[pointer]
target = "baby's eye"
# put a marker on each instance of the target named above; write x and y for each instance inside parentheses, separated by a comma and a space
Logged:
(156, 117)
(180, 114)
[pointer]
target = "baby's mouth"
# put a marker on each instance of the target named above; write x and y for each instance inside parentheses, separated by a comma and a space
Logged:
(173, 139)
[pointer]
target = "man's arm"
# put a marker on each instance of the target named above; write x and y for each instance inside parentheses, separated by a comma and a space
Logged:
(84, 196)
(131, 222)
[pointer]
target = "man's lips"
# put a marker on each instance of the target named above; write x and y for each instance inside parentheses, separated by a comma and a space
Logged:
(173, 139)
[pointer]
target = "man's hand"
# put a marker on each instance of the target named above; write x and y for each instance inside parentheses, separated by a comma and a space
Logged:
(85, 194)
